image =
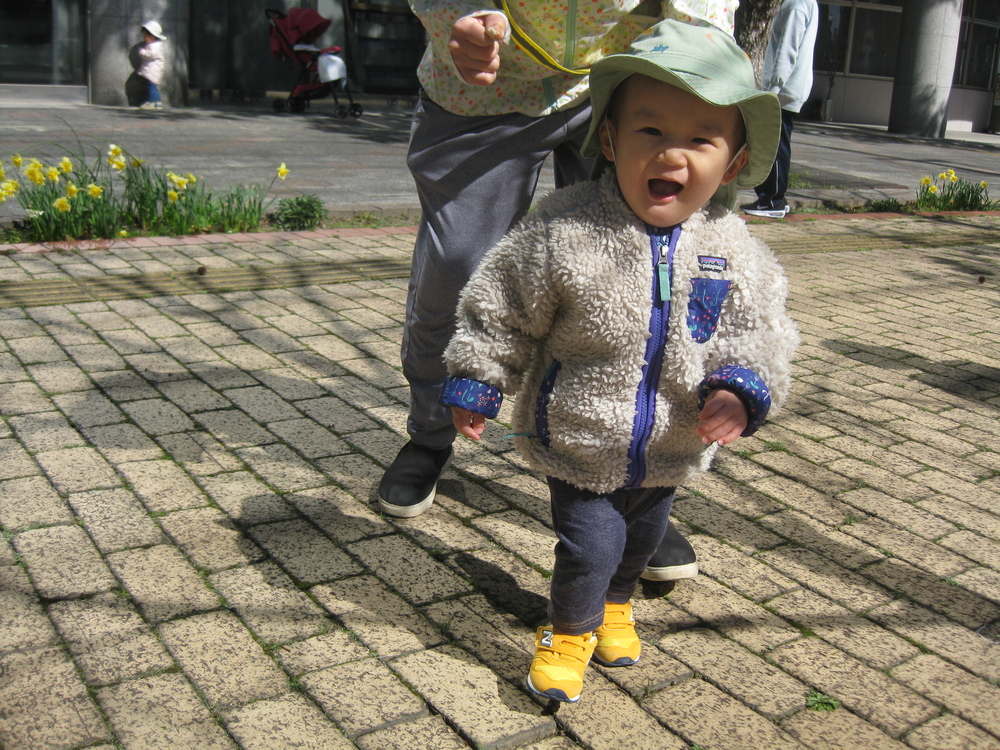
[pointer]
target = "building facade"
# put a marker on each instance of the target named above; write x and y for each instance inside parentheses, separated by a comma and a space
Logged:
(221, 47)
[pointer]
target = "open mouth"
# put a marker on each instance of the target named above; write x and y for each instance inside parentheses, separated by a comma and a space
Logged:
(664, 188)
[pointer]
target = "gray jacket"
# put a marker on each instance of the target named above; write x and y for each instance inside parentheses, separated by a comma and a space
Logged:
(563, 310)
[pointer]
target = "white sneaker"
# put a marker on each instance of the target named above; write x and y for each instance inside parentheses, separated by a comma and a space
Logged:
(771, 213)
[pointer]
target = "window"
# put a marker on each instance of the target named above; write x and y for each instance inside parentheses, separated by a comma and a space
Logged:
(42, 41)
(978, 60)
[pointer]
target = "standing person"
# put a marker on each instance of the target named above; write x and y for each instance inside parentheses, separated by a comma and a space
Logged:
(641, 323)
(788, 72)
(501, 91)
(151, 63)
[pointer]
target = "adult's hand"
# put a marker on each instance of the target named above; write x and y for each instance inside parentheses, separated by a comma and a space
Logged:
(475, 47)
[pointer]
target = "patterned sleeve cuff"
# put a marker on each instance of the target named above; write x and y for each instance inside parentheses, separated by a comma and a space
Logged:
(748, 385)
(473, 395)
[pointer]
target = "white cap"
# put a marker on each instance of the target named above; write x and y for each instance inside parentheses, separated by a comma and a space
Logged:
(154, 28)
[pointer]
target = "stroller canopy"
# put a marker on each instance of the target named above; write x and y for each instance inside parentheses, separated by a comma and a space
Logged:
(298, 26)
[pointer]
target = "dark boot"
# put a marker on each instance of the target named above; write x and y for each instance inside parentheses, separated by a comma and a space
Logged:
(408, 486)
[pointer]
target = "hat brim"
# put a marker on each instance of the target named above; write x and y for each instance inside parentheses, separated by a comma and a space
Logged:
(760, 109)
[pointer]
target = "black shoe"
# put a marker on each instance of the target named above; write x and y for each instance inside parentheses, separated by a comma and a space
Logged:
(408, 485)
(777, 212)
(673, 560)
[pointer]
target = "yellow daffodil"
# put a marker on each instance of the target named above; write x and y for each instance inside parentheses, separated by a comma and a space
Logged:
(191, 178)
(3, 173)
(94, 190)
(123, 233)
(136, 163)
(943, 176)
(35, 174)
(951, 172)
(983, 184)
(114, 152)
(925, 180)
(282, 171)
(71, 190)
(180, 183)
(52, 173)
(117, 163)
(66, 165)
(61, 204)
(9, 187)
(953, 177)
(16, 160)
(172, 196)
(932, 189)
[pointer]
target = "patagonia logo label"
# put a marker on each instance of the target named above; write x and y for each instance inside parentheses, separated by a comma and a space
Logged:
(708, 263)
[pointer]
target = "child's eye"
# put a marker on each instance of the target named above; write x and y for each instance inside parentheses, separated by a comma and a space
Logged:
(700, 141)
(651, 131)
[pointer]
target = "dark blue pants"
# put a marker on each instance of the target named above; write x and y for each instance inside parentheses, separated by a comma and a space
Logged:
(605, 541)
(152, 92)
(771, 192)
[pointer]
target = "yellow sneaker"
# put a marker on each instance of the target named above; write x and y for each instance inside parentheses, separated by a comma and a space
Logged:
(618, 645)
(560, 661)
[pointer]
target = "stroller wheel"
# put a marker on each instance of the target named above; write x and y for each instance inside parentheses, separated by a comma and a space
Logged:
(297, 105)
(341, 111)
(278, 105)
(357, 110)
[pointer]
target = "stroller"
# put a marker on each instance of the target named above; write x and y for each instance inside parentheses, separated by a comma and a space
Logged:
(323, 70)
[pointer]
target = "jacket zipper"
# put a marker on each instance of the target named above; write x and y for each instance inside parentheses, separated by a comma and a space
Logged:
(662, 246)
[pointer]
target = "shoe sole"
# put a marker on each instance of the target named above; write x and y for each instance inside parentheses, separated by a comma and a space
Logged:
(623, 661)
(555, 695)
(672, 573)
(411, 511)
(767, 214)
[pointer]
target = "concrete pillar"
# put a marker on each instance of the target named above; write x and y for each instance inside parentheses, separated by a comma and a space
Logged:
(113, 28)
(925, 65)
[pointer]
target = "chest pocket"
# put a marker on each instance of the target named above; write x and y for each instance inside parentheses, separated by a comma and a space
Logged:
(705, 306)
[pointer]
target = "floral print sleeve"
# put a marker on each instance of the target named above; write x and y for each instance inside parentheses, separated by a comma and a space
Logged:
(576, 33)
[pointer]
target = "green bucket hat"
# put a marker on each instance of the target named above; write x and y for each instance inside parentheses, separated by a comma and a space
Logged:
(706, 62)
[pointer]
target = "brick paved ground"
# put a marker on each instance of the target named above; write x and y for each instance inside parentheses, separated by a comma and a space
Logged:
(191, 556)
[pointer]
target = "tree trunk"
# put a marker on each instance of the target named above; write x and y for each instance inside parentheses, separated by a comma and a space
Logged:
(753, 28)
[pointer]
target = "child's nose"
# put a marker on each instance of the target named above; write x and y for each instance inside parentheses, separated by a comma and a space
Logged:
(671, 155)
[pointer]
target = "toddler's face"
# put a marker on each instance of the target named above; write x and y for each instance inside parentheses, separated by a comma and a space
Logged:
(671, 149)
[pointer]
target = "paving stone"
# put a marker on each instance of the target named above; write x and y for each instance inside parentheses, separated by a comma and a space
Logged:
(706, 716)
(289, 383)
(31, 501)
(263, 404)
(161, 712)
(854, 591)
(46, 431)
(221, 375)
(972, 698)
(30, 351)
(757, 684)
(320, 652)
(60, 377)
(304, 552)
(522, 535)
(333, 413)
(279, 466)
(895, 511)
(852, 634)
(309, 438)
(209, 539)
(162, 583)
(115, 520)
(963, 514)
(234, 429)
(340, 515)
(270, 604)
(199, 453)
(89, 408)
(108, 639)
(950, 733)
(817, 503)
(125, 385)
(158, 416)
(162, 486)
(443, 532)
(158, 326)
(490, 712)
(23, 622)
(409, 569)
(379, 618)
(7, 556)
(909, 547)
(63, 562)
(732, 615)
(245, 499)
(865, 691)
(248, 357)
(120, 443)
(363, 695)
(838, 730)
(245, 673)
(22, 398)
(356, 474)
(749, 576)
(77, 470)
(288, 721)
(193, 396)
(43, 704)
(130, 342)
(427, 733)
(15, 461)
(810, 534)
(952, 601)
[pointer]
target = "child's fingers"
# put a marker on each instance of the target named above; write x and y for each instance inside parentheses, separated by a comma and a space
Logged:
(469, 424)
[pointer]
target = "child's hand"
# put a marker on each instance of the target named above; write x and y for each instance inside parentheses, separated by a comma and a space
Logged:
(723, 418)
(468, 423)
(475, 47)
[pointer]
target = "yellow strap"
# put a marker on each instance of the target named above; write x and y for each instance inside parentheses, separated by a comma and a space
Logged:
(533, 49)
